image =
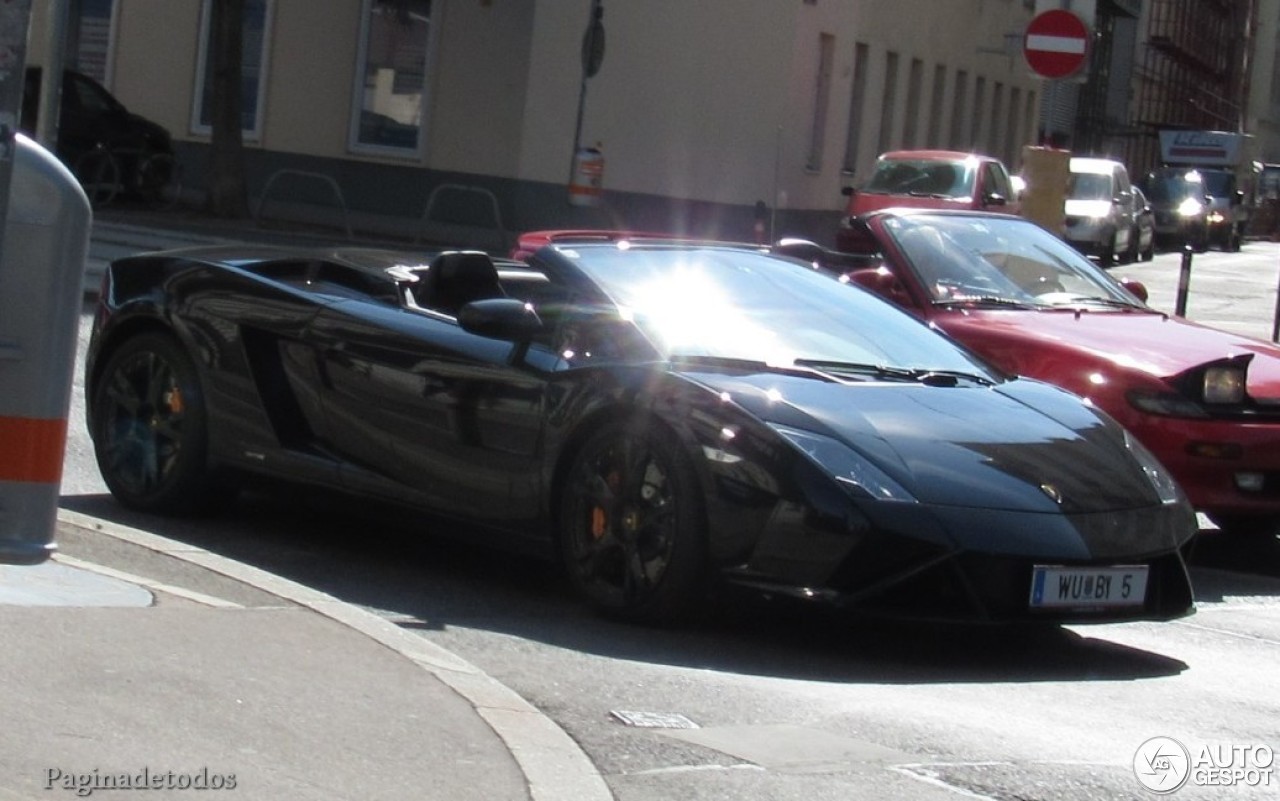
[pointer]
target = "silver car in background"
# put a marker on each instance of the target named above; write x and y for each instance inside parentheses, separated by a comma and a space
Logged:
(1100, 208)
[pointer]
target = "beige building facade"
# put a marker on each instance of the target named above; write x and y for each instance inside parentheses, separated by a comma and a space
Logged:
(702, 110)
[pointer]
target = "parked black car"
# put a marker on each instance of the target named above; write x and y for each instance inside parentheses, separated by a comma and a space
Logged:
(90, 121)
(655, 414)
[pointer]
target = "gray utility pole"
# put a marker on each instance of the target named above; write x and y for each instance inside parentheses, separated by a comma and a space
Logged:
(51, 84)
(15, 19)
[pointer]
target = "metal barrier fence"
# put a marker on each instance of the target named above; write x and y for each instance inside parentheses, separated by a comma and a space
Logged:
(310, 176)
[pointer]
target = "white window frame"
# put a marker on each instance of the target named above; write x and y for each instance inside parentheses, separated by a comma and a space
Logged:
(354, 145)
(254, 133)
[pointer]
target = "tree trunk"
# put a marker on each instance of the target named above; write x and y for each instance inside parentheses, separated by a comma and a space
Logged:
(228, 195)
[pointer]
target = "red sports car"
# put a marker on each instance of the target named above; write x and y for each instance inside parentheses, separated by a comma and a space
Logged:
(1205, 401)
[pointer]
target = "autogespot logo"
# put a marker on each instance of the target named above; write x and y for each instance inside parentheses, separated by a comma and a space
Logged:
(1162, 765)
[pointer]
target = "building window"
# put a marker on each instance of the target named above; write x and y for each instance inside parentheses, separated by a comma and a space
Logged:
(1015, 126)
(256, 30)
(915, 75)
(979, 109)
(821, 100)
(934, 136)
(959, 105)
(890, 101)
(391, 77)
(997, 147)
(857, 99)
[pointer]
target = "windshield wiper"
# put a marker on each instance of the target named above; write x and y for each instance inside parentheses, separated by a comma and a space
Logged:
(857, 368)
(988, 300)
(798, 368)
(1076, 300)
(949, 378)
(918, 375)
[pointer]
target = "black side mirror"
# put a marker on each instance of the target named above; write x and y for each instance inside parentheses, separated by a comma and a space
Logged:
(847, 191)
(500, 318)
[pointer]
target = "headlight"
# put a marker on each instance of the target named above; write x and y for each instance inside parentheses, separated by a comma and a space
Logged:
(1161, 480)
(1215, 217)
(1190, 207)
(1224, 384)
(853, 470)
(1166, 404)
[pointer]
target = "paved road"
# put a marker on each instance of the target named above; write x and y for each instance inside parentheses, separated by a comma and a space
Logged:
(1234, 291)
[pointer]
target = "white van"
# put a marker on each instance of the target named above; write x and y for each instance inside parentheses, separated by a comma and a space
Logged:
(1100, 208)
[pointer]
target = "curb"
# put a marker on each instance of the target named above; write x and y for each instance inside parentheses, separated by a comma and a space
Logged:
(554, 766)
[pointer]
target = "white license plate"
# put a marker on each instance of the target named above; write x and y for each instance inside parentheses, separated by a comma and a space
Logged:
(1086, 587)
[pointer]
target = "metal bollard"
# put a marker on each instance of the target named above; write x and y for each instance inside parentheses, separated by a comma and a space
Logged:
(1275, 318)
(46, 238)
(1184, 279)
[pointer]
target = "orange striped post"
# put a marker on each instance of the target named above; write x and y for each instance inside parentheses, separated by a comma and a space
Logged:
(45, 242)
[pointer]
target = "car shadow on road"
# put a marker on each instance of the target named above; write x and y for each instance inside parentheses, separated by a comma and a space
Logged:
(437, 583)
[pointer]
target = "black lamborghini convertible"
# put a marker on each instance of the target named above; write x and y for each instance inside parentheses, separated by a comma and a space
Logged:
(659, 415)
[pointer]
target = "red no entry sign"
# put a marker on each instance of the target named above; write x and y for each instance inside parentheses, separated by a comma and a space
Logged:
(1056, 44)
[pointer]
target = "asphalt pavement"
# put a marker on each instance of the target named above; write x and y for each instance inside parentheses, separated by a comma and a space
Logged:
(197, 673)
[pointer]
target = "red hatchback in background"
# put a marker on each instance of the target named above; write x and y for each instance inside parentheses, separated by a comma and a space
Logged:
(932, 179)
(1206, 402)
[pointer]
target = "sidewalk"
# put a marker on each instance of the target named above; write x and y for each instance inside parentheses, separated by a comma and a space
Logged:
(284, 691)
(252, 683)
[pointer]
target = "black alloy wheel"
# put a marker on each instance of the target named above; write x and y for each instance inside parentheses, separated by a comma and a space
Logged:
(150, 428)
(631, 533)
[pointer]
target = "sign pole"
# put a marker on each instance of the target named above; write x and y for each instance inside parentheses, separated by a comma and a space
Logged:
(592, 56)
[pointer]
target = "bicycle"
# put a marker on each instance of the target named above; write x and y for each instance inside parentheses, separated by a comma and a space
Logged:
(154, 178)
(98, 172)
(158, 180)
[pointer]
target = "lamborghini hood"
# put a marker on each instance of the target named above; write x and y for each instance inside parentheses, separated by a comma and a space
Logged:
(1021, 446)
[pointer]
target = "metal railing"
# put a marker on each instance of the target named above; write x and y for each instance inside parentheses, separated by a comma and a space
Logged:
(441, 190)
(311, 176)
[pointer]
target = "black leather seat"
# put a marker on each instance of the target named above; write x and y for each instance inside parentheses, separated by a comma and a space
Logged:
(455, 278)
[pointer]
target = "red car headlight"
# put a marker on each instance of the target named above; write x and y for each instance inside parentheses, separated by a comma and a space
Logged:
(1165, 404)
(1224, 384)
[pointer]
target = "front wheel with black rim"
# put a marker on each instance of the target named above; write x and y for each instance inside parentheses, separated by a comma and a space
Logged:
(150, 428)
(631, 525)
